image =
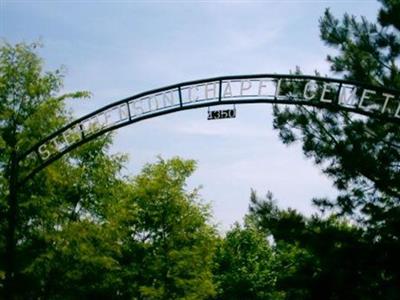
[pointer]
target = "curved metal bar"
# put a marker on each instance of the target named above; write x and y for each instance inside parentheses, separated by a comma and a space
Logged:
(322, 92)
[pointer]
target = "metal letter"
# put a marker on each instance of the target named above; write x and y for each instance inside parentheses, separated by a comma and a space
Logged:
(169, 98)
(388, 97)
(365, 96)
(107, 116)
(397, 114)
(153, 97)
(278, 88)
(342, 98)
(325, 89)
(44, 152)
(262, 84)
(137, 108)
(213, 90)
(123, 112)
(227, 90)
(69, 133)
(306, 87)
(190, 93)
(243, 87)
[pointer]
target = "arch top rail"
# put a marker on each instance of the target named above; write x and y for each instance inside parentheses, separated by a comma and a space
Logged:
(323, 92)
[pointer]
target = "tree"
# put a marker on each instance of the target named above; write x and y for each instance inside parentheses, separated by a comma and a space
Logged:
(170, 256)
(71, 233)
(149, 240)
(245, 266)
(319, 258)
(361, 155)
(79, 229)
(29, 109)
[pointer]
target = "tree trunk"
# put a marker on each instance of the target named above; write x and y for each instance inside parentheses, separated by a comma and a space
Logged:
(9, 284)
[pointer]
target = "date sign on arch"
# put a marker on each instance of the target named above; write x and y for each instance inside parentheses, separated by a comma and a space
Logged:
(221, 114)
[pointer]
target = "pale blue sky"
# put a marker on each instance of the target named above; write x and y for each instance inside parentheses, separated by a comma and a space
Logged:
(118, 48)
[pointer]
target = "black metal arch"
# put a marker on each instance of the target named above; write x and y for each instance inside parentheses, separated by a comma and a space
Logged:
(322, 92)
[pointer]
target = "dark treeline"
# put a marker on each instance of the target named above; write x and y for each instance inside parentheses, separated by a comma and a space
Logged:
(82, 230)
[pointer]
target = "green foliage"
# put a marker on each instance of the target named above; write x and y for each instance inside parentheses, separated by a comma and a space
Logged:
(321, 258)
(389, 14)
(29, 111)
(81, 229)
(174, 245)
(245, 265)
(361, 155)
(350, 251)
(145, 238)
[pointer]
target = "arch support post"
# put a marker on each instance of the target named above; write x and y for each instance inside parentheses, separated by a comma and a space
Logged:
(12, 211)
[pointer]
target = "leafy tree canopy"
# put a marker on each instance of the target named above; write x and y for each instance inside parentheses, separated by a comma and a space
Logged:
(79, 229)
(361, 155)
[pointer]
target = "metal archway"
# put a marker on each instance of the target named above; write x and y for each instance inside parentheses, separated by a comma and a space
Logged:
(322, 92)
